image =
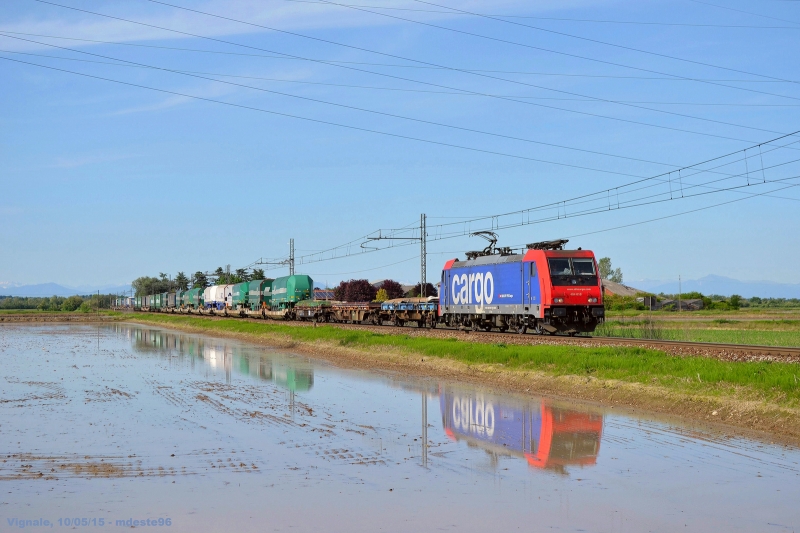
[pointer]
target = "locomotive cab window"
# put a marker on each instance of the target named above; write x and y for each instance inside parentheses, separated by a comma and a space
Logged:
(583, 267)
(572, 271)
(533, 269)
(560, 267)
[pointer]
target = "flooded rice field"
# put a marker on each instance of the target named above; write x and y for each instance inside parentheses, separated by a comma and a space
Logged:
(111, 426)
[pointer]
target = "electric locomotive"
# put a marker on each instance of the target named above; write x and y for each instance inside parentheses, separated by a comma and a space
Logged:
(546, 289)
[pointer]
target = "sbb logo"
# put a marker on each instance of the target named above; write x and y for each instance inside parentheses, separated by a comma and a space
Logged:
(475, 288)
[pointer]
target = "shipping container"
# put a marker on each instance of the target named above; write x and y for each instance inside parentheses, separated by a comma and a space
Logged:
(259, 292)
(240, 294)
(288, 290)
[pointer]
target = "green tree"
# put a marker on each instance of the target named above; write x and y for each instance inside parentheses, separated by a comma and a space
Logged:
(607, 272)
(181, 282)
(604, 266)
(146, 285)
(199, 280)
(381, 296)
(71, 303)
(735, 301)
(258, 273)
(221, 278)
(241, 273)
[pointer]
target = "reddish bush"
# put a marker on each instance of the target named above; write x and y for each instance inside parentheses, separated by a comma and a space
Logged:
(355, 290)
(430, 290)
(393, 289)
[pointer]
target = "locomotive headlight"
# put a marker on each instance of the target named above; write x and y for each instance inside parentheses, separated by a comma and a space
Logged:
(592, 300)
(558, 300)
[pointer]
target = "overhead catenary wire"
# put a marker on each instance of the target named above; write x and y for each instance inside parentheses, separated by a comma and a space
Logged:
(467, 227)
(423, 82)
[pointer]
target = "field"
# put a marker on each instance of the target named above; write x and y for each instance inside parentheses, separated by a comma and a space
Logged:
(767, 327)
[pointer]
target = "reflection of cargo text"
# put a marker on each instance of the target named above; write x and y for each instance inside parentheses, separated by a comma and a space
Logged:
(473, 416)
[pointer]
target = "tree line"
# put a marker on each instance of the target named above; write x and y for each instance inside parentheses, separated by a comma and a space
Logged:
(85, 304)
(361, 290)
(146, 285)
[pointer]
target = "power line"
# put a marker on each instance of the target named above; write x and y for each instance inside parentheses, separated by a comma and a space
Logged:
(393, 65)
(377, 88)
(365, 110)
(598, 21)
(309, 119)
(745, 12)
(433, 84)
(480, 74)
(605, 43)
(499, 40)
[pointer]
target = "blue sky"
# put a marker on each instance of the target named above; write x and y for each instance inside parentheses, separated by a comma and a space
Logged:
(104, 182)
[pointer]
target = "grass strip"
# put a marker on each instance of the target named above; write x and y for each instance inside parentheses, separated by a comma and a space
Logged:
(776, 383)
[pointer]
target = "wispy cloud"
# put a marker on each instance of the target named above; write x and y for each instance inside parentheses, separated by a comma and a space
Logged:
(282, 14)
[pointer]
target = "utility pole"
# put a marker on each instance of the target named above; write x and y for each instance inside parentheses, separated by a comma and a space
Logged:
(422, 254)
(282, 262)
(291, 257)
(679, 293)
(423, 237)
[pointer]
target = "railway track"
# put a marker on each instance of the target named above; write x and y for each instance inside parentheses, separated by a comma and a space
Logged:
(729, 352)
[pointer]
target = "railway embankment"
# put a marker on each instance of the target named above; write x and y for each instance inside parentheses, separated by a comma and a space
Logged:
(760, 393)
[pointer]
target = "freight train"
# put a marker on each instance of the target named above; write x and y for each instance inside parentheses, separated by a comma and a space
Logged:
(546, 289)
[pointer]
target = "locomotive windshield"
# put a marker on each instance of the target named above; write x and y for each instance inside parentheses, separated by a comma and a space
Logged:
(572, 271)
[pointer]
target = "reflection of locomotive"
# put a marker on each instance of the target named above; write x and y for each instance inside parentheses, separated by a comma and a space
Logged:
(548, 437)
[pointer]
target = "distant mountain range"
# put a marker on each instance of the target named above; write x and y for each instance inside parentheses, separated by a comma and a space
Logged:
(54, 289)
(722, 286)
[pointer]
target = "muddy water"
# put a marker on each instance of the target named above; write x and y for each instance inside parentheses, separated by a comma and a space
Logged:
(120, 422)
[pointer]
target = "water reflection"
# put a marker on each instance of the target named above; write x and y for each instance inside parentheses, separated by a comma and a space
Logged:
(547, 436)
(296, 376)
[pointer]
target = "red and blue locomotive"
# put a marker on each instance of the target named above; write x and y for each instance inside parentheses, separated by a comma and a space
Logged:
(546, 289)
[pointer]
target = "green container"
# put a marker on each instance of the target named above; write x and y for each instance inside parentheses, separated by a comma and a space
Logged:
(259, 291)
(289, 290)
(240, 294)
(156, 299)
(194, 298)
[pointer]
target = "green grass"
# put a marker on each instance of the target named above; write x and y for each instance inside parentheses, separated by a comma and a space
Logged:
(761, 332)
(774, 382)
